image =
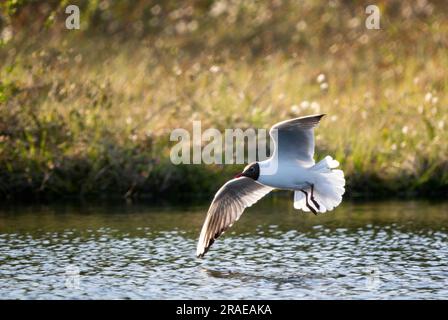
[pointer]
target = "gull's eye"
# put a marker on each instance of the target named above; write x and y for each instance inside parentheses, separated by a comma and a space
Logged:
(251, 169)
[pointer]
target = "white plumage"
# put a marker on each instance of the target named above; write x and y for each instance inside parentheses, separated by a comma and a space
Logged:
(317, 187)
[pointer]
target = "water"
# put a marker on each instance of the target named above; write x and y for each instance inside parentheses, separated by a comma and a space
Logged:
(390, 250)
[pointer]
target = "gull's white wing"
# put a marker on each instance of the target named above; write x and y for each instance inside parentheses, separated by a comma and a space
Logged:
(294, 139)
(226, 208)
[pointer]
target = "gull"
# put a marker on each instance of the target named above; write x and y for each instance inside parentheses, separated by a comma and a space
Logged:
(317, 187)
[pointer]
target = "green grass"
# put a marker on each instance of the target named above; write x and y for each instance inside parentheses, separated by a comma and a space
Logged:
(89, 113)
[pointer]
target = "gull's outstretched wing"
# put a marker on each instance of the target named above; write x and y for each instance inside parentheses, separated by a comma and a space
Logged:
(227, 207)
(294, 139)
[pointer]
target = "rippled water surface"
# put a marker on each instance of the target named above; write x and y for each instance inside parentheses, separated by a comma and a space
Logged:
(391, 250)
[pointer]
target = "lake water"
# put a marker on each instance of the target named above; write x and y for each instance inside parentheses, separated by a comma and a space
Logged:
(387, 250)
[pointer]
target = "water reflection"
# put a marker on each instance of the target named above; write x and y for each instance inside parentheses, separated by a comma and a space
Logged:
(368, 250)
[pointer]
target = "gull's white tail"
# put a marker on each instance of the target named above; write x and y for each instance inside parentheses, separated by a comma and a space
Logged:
(328, 187)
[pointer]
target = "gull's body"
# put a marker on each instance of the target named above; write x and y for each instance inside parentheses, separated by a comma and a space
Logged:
(289, 176)
(317, 187)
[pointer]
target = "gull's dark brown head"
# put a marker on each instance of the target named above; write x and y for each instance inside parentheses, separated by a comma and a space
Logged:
(252, 171)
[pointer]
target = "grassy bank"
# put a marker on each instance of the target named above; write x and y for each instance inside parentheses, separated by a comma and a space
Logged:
(89, 112)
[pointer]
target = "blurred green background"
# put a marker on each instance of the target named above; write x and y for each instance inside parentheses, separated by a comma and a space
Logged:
(88, 112)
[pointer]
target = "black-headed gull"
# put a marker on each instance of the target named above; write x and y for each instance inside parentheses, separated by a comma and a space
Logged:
(317, 187)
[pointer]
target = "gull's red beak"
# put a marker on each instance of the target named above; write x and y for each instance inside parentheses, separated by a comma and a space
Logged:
(238, 175)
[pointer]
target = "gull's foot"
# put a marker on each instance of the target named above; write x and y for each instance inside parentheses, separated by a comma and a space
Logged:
(308, 204)
(312, 198)
(315, 203)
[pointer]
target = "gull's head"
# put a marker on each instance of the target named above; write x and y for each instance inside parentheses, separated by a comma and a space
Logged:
(252, 171)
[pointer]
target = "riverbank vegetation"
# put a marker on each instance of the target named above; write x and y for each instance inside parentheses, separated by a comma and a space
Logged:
(89, 112)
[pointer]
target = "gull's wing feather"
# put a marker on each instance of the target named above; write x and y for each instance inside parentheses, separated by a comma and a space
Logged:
(227, 207)
(294, 139)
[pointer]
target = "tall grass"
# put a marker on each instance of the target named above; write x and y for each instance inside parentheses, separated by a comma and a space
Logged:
(90, 112)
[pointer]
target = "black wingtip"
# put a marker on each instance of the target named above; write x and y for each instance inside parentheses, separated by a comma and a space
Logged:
(311, 120)
(318, 116)
(312, 117)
